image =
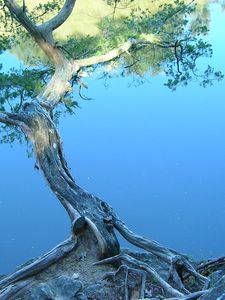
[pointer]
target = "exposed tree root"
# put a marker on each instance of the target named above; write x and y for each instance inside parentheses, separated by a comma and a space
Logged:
(128, 270)
(211, 265)
(85, 210)
(40, 264)
(143, 266)
(12, 284)
(178, 263)
(192, 296)
(13, 289)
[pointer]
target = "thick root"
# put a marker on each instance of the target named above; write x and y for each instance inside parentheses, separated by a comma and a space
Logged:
(127, 270)
(14, 289)
(145, 267)
(179, 265)
(192, 296)
(40, 264)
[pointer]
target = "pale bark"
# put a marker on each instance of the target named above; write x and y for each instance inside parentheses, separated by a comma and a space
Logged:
(104, 57)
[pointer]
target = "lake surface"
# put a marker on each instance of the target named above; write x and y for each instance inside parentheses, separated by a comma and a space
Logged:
(158, 157)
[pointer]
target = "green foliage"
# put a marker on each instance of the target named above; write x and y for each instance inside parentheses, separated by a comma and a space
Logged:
(18, 86)
(43, 11)
(171, 42)
(185, 68)
(4, 43)
(9, 134)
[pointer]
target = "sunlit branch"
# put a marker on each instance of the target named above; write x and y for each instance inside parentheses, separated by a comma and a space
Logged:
(104, 57)
(61, 17)
(115, 53)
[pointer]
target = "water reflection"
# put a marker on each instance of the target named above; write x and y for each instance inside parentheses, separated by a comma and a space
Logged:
(27, 227)
(157, 157)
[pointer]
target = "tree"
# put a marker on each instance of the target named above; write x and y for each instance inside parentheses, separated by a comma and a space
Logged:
(35, 95)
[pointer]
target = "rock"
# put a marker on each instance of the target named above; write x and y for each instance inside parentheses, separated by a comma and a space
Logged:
(66, 286)
(215, 277)
(63, 288)
(99, 292)
(217, 292)
(81, 296)
(75, 276)
(41, 292)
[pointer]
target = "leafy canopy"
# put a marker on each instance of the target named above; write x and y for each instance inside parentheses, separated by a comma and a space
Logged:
(170, 37)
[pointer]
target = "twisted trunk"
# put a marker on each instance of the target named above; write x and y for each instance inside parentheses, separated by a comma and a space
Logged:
(93, 220)
(84, 209)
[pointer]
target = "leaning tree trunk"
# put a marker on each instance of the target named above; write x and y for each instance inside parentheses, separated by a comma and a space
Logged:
(84, 209)
(91, 218)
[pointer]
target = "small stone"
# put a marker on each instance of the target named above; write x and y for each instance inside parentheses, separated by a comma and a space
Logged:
(75, 276)
(81, 296)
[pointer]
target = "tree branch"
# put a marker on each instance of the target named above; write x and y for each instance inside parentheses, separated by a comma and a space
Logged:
(42, 35)
(11, 119)
(136, 44)
(61, 17)
(19, 14)
(85, 62)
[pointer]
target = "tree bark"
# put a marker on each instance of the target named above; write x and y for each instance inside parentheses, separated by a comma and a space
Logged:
(90, 216)
(83, 208)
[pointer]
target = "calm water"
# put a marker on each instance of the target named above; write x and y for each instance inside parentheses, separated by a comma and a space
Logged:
(157, 157)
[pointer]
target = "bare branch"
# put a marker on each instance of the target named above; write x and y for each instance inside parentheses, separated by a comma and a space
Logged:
(42, 35)
(104, 57)
(11, 119)
(115, 53)
(61, 17)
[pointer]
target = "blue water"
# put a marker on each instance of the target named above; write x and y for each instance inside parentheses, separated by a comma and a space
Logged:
(158, 157)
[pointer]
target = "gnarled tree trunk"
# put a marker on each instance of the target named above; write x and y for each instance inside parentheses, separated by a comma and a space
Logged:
(92, 220)
(83, 208)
